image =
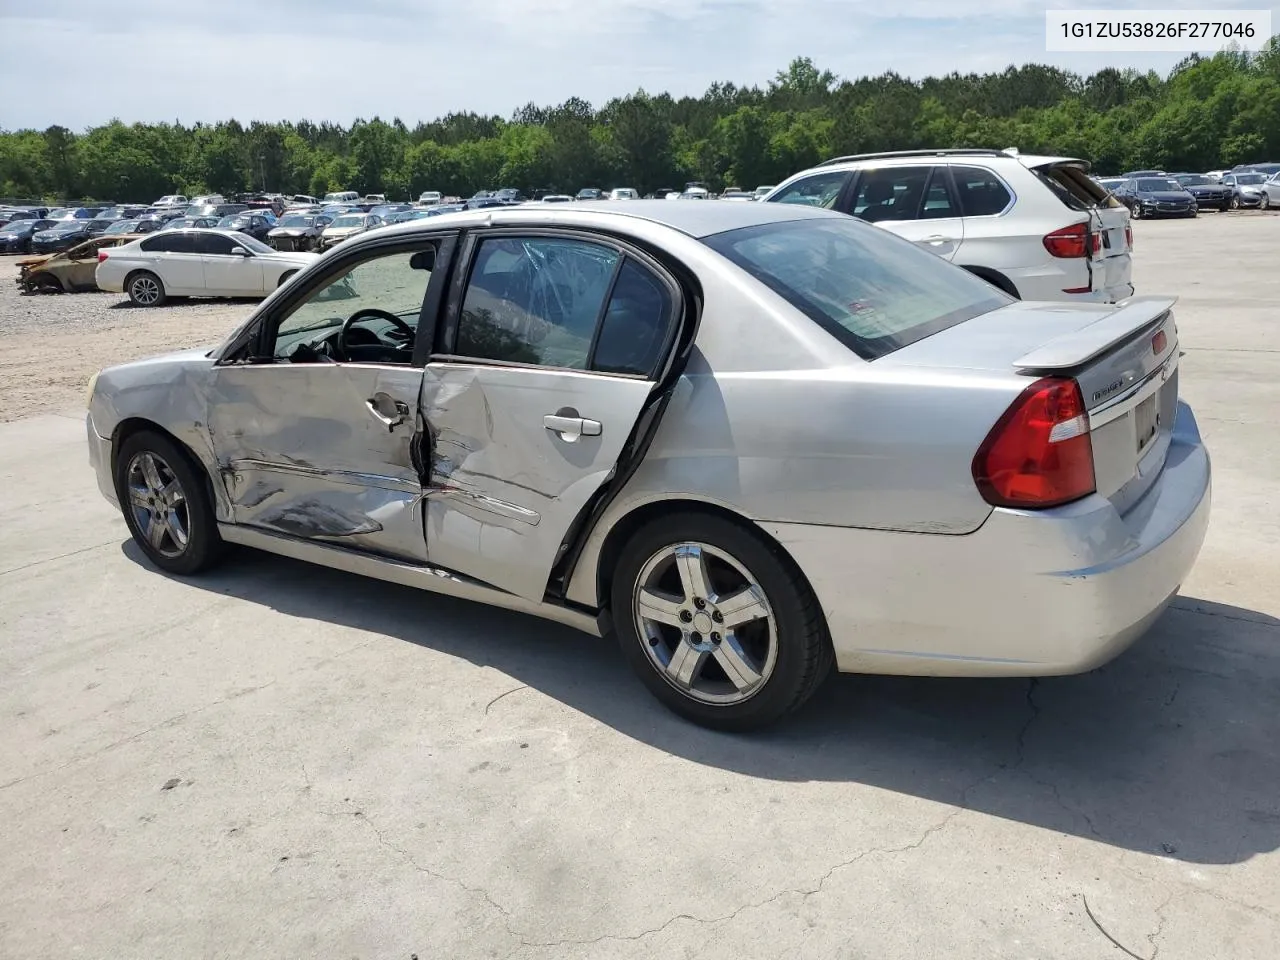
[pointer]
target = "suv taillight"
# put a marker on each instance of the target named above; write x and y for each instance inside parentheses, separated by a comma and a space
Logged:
(102, 255)
(1073, 241)
(1039, 453)
(1128, 236)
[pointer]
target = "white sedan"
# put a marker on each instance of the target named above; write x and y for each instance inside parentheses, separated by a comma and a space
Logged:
(196, 263)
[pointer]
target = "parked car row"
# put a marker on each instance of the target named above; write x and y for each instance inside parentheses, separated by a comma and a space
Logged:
(1153, 193)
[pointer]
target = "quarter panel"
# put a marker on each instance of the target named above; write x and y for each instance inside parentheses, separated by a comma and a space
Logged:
(844, 447)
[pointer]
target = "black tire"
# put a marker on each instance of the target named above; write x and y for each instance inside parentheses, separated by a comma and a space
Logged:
(204, 546)
(1265, 202)
(1224, 207)
(145, 289)
(1235, 203)
(804, 654)
(284, 277)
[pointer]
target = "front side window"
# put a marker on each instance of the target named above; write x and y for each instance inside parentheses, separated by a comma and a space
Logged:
(890, 194)
(381, 296)
(215, 244)
(982, 193)
(535, 300)
(872, 292)
(819, 190)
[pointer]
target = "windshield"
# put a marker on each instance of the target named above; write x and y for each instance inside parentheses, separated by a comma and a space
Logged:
(249, 243)
(872, 292)
(122, 226)
(297, 221)
(348, 222)
(1158, 186)
(70, 226)
(1251, 178)
(234, 222)
(1194, 181)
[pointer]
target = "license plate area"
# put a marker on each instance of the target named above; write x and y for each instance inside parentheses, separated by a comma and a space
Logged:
(1146, 420)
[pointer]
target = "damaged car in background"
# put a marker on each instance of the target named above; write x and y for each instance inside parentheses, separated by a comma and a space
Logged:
(72, 271)
(298, 231)
(552, 409)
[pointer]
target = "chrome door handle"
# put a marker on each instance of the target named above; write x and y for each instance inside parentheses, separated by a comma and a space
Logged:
(571, 428)
(938, 238)
(378, 404)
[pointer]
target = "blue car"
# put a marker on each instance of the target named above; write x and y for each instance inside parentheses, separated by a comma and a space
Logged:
(1156, 197)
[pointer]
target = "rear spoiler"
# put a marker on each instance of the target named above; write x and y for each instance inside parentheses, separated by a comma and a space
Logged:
(1080, 346)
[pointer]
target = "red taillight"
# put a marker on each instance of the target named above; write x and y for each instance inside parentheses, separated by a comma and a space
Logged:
(1159, 342)
(1073, 241)
(1039, 453)
(1128, 236)
(102, 255)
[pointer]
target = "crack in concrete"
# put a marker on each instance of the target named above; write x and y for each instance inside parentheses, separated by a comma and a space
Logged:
(1103, 930)
(1153, 938)
(523, 686)
(171, 721)
(1258, 620)
(61, 556)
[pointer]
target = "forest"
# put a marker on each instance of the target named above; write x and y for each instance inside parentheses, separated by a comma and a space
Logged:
(1208, 113)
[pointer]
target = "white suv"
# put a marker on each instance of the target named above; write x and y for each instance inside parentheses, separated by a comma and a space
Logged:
(1037, 227)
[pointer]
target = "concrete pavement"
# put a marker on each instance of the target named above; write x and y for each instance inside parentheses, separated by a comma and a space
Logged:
(277, 760)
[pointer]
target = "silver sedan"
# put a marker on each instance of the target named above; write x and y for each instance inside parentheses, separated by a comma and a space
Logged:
(750, 440)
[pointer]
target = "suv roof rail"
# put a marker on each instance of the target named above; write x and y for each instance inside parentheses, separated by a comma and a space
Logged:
(957, 152)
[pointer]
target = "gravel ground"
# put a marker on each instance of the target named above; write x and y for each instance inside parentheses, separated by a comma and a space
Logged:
(51, 344)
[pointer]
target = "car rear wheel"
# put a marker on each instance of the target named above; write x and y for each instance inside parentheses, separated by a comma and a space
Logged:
(166, 504)
(717, 623)
(146, 290)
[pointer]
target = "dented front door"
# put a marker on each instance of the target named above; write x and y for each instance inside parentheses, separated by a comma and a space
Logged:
(326, 452)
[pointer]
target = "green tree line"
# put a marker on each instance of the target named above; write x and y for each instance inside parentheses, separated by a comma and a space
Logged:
(1209, 112)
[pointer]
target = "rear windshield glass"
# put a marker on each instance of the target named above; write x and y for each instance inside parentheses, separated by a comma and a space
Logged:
(874, 292)
(1074, 188)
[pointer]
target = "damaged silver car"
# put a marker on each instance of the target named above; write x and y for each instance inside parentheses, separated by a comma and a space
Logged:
(751, 440)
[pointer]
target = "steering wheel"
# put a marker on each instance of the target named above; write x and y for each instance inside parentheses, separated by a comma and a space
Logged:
(365, 314)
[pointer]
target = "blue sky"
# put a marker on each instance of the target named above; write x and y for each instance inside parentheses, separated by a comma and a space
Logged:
(82, 62)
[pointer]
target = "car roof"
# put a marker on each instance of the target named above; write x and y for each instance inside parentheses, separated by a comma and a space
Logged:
(698, 220)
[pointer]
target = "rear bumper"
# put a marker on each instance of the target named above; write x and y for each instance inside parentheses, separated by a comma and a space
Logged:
(1052, 280)
(1028, 594)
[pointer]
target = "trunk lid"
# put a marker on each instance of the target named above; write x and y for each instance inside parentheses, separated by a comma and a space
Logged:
(1111, 264)
(1124, 357)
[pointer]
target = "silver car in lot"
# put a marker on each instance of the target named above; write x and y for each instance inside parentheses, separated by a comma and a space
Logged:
(749, 439)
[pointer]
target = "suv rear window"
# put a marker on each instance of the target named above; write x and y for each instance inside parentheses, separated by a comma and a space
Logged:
(873, 292)
(1074, 188)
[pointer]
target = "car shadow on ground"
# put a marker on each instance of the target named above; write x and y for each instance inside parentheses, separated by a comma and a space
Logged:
(1172, 749)
(179, 302)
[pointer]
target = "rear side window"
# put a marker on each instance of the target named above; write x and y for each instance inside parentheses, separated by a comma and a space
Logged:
(635, 323)
(873, 292)
(981, 192)
(170, 243)
(819, 190)
(893, 193)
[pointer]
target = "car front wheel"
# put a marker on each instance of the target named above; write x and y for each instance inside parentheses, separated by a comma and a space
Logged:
(146, 290)
(166, 504)
(717, 623)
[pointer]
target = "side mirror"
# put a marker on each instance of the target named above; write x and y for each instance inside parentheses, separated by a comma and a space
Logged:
(239, 252)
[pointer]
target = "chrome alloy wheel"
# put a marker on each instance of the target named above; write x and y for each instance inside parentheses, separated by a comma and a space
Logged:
(705, 623)
(158, 503)
(145, 290)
